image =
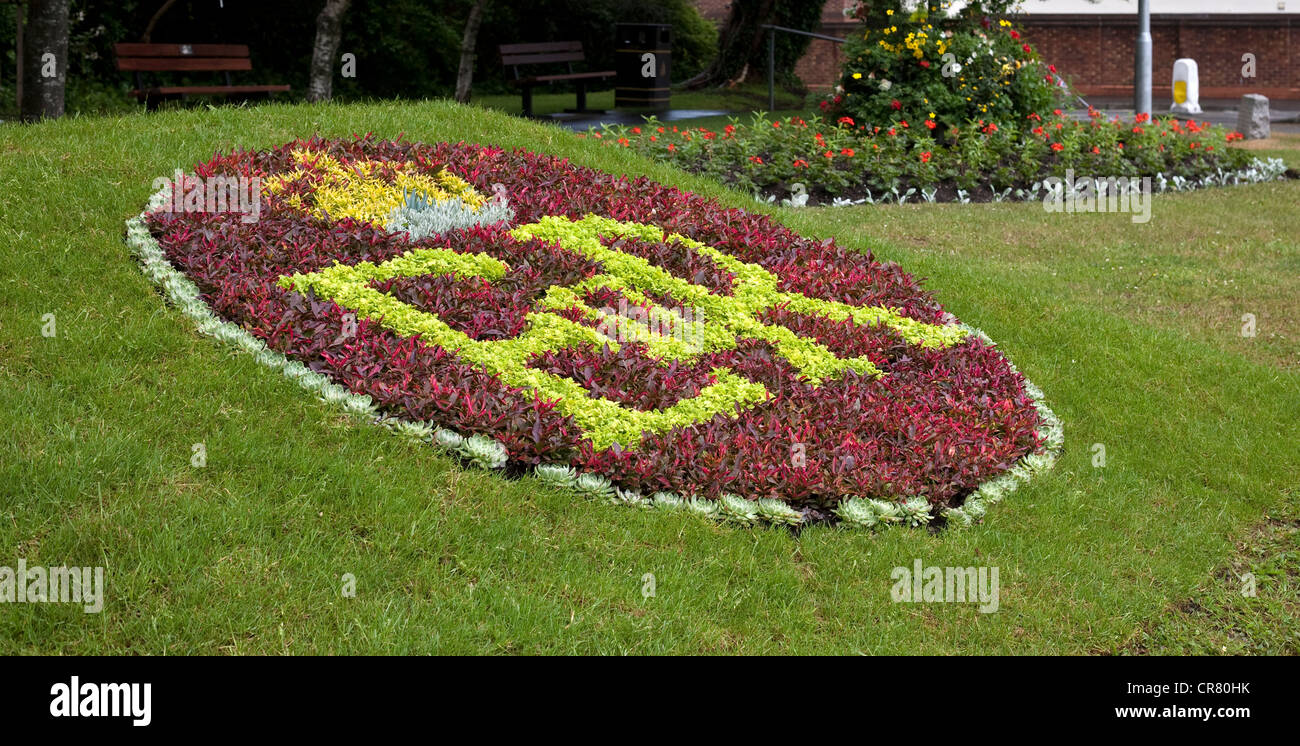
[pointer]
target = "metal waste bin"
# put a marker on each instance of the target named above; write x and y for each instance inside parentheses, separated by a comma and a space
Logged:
(643, 59)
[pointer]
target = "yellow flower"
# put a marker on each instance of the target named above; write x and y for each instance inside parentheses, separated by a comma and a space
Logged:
(857, 76)
(889, 12)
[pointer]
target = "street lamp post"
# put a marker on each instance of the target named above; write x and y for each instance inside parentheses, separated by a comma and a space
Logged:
(1142, 63)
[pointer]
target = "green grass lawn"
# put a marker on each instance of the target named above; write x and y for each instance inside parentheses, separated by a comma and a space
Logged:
(1132, 330)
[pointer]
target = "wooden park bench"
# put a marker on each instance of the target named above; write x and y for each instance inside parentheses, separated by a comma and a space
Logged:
(515, 56)
(184, 58)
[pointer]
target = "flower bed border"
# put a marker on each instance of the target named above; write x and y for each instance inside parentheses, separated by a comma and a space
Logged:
(489, 454)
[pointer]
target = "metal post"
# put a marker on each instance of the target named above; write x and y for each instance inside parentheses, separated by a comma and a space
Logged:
(1142, 65)
(771, 70)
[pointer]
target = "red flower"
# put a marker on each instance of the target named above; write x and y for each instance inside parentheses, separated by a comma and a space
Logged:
(756, 159)
(897, 106)
(622, 141)
(930, 123)
(1051, 68)
(1138, 130)
(904, 123)
(846, 120)
(925, 157)
(636, 130)
(1057, 146)
(671, 146)
(825, 105)
(776, 124)
(829, 154)
(800, 163)
(1058, 112)
(1027, 49)
(925, 63)
(848, 152)
(1014, 34)
(1096, 150)
(729, 128)
(1143, 117)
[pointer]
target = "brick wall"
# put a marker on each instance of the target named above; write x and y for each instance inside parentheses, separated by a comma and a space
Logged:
(1096, 52)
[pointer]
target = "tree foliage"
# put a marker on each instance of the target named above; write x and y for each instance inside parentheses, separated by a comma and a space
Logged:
(403, 48)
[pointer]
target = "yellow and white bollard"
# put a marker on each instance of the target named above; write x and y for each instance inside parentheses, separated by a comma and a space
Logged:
(1187, 88)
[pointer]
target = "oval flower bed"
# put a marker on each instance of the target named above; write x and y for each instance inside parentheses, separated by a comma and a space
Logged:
(624, 338)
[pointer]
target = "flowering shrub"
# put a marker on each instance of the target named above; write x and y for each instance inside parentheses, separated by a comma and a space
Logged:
(822, 382)
(978, 161)
(930, 64)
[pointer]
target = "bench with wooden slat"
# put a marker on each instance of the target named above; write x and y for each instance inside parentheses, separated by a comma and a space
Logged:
(181, 58)
(516, 56)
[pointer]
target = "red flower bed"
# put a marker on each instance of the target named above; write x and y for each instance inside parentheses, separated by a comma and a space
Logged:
(938, 422)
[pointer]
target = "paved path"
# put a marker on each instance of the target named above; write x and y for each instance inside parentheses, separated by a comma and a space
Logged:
(580, 122)
(1283, 116)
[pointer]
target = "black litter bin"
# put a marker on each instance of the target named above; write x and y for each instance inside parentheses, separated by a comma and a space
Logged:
(643, 61)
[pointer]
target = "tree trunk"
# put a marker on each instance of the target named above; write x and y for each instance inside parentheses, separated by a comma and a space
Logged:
(45, 59)
(329, 27)
(738, 40)
(465, 76)
(147, 36)
(742, 44)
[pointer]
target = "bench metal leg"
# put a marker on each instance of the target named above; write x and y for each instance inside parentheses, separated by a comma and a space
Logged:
(582, 95)
(528, 100)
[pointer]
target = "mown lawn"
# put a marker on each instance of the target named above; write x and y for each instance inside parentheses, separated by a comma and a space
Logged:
(1132, 330)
